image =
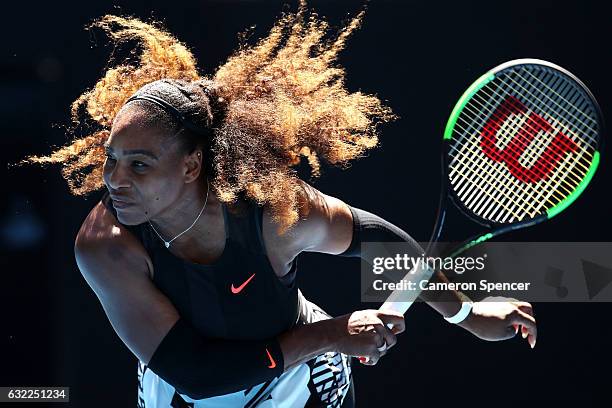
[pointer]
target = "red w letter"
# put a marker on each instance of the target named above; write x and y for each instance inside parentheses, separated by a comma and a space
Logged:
(510, 155)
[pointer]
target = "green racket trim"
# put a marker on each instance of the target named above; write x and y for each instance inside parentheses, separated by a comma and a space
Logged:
(465, 98)
(473, 242)
(549, 213)
(577, 191)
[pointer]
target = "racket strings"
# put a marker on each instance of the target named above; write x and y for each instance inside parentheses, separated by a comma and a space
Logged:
(566, 128)
(480, 156)
(506, 94)
(490, 180)
(562, 112)
(506, 176)
(488, 184)
(491, 177)
(528, 204)
(548, 110)
(585, 134)
(473, 182)
(483, 187)
(539, 147)
(586, 115)
(590, 137)
(548, 107)
(540, 144)
(552, 157)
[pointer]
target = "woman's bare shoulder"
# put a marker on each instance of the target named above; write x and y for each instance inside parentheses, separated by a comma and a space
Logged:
(104, 237)
(325, 225)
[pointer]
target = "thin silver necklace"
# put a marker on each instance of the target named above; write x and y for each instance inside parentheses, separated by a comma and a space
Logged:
(167, 243)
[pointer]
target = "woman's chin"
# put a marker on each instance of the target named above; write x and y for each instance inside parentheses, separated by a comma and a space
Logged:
(126, 217)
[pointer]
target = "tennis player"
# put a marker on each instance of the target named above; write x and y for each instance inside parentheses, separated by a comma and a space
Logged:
(193, 247)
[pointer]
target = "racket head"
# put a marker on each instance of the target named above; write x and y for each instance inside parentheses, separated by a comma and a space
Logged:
(521, 144)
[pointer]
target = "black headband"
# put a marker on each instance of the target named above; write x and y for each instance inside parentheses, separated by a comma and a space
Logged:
(186, 123)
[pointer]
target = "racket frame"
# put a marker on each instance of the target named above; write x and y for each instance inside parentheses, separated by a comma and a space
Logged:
(395, 302)
(448, 191)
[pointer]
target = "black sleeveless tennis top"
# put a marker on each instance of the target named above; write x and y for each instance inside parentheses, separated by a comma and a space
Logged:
(238, 296)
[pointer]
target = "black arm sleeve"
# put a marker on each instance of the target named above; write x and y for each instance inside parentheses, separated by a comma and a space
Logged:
(368, 227)
(200, 367)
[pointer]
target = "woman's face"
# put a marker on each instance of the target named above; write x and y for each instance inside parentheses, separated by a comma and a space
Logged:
(145, 171)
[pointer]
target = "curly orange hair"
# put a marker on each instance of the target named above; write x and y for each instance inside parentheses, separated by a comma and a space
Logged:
(285, 98)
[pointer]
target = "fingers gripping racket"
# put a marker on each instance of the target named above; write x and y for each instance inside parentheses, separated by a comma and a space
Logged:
(521, 144)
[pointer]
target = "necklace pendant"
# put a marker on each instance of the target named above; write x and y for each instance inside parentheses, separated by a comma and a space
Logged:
(167, 243)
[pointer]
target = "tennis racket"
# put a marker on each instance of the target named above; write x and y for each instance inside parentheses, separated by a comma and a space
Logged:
(521, 144)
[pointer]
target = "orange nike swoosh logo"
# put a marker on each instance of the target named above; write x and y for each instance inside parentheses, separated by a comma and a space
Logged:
(239, 288)
(272, 362)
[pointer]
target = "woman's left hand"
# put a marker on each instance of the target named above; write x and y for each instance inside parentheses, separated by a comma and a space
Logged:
(498, 318)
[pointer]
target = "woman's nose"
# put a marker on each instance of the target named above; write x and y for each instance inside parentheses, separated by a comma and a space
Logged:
(116, 178)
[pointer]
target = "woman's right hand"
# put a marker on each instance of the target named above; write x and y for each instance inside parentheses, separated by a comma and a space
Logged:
(364, 333)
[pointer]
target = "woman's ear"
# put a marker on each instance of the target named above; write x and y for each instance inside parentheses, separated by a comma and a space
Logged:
(193, 166)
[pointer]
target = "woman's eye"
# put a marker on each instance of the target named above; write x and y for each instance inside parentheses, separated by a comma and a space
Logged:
(136, 164)
(139, 164)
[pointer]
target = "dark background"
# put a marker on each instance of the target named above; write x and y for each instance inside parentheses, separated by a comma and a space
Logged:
(417, 56)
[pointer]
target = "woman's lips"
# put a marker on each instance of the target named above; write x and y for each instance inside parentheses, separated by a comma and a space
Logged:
(121, 204)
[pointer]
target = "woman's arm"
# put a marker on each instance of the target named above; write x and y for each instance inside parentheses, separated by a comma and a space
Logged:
(358, 334)
(115, 266)
(330, 228)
